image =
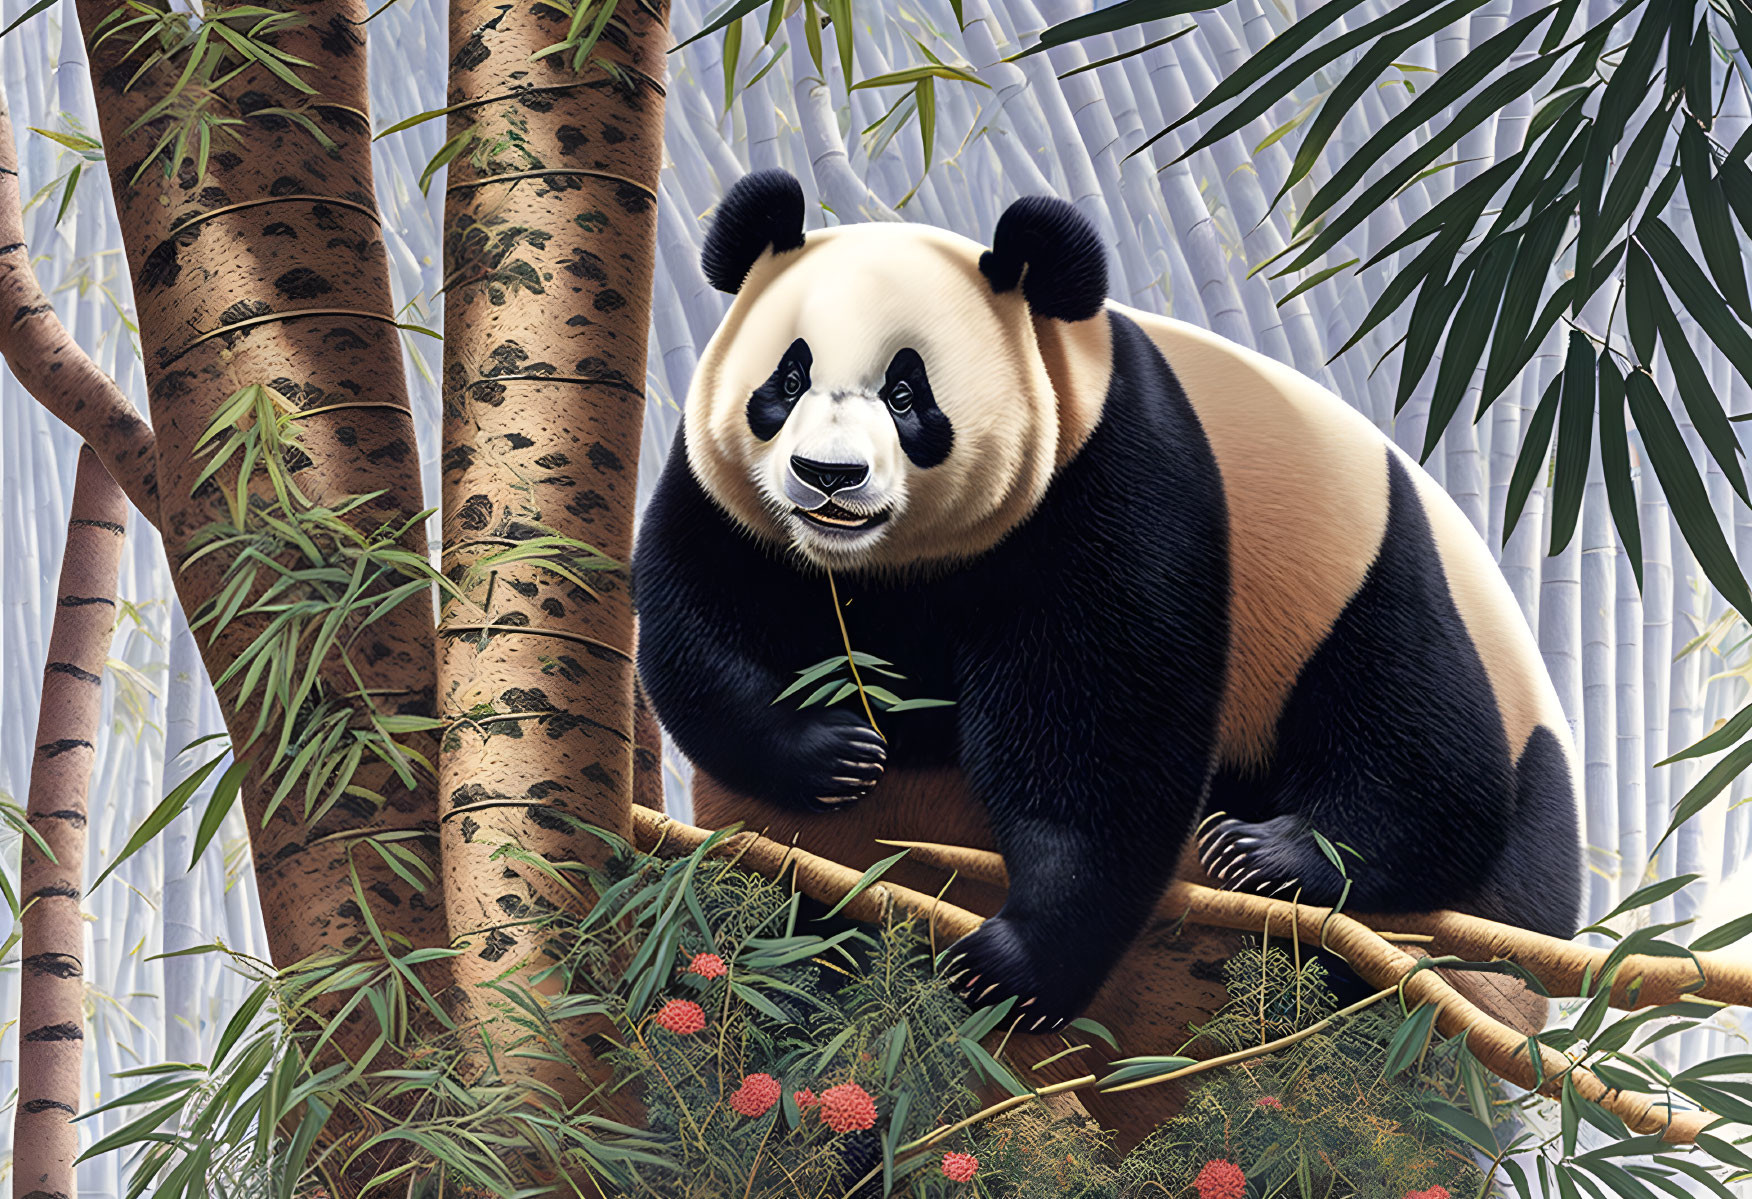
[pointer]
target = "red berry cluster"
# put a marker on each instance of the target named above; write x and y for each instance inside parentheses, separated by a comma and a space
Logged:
(960, 1167)
(708, 966)
(756, 1095)
(1436, 1192)
(1220, 1179)
(848, 1108)
(683, 1017)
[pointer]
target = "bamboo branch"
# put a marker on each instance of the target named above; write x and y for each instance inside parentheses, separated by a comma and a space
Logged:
(44, 357)
(1643, 981)
(1378, 962)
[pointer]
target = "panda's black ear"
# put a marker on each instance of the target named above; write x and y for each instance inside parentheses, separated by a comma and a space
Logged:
(760, 210)
(1066, 276)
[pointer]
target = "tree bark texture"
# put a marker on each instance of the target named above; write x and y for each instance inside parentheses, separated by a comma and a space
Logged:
(51, 1024)
(44, 357)
(270, 269)
(549, 245)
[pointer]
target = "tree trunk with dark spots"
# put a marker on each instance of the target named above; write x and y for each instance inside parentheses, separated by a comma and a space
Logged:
(270, 269)
(51, 1023)
(549, 246)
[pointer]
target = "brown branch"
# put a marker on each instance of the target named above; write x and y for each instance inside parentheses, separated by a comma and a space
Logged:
(45, 358)
(1501, 1049)
(1644, 981)
(51, 1021)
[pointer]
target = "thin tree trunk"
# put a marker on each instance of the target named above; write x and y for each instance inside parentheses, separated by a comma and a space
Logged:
(51, 1020)
(44, 357)
(279, 245)
(550, 237)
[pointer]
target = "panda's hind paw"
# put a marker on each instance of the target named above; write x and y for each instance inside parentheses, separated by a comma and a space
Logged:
(1263, 859)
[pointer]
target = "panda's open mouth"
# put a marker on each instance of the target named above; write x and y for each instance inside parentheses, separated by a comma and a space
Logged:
(842, 520)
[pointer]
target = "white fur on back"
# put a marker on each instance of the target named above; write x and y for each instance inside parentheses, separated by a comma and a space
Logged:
(1305, 475)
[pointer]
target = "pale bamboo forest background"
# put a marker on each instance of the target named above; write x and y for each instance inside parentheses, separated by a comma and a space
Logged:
(1640, 676)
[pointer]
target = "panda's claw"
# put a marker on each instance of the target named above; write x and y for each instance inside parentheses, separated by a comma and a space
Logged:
(1214, 837)
(1245, 879)
(1201, 824)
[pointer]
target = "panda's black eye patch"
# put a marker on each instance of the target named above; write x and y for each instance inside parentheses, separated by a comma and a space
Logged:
(925, 432)
(773, 400)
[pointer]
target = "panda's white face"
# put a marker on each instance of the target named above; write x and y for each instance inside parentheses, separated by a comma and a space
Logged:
(872, 403)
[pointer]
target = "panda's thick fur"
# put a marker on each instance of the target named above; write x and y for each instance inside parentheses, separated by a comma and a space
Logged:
(1175, 590)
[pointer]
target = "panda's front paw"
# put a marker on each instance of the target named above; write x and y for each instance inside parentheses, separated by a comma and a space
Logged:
(839, 760)
(1268, 858)
(1002, 958)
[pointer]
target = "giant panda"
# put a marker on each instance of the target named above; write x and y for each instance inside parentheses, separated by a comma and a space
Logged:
(1178, 593)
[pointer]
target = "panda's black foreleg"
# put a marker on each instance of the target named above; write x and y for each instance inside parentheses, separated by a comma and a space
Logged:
(1069, 917)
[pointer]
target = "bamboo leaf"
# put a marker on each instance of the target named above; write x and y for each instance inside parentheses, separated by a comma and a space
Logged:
(1640, 288)
(1453, 84)
(1575, 432)
(1464, 351)
(1489, 101)
(738, 10)
(1409, 1039)
(1684, 490)
(67, 191)
(1125, 54)
(1115, 17)
(840, 13)
(1526, 283)
(224, 795)
(1530, 462)
(732, 54)
(1135, 1069)
(812, 36)
(1257, 97)
(926, 100)
(1696, 391)
(1701, 299)
(1708, 787)
(917, 75)
(864, 880)
(160, 817)
(1435, 299)
(1314, 280)
(1615, 463)
(1736, 727)
(1644, 897)
(1628, 85)
(39, 7)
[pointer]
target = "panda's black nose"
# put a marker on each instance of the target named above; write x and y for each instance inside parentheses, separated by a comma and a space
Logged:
(829, 477)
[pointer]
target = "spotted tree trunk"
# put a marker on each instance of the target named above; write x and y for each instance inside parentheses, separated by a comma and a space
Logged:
(51, 1023)
(269, 268)
(549, 246)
